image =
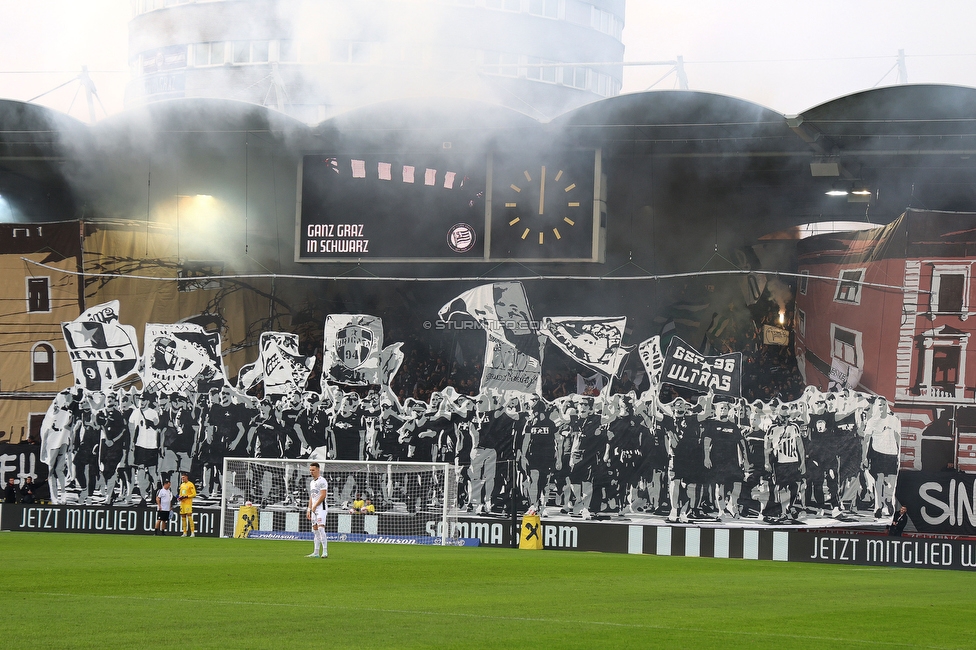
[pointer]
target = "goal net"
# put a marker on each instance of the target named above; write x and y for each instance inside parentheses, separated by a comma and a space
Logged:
(367, 500)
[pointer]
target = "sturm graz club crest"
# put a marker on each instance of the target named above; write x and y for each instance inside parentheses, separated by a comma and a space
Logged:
(461, 238)
(354, 344)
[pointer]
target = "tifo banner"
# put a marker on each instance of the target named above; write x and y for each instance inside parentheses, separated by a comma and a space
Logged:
(775, 335)
(391, 358)
(501, 308)
(592, 385)
(279, 365)
(652, 358)
(824, 459)
(20, 461)
(594, 342)
(843, 375)
(685, 367)
(508, 369)
(102, 351)
(181, 357)
(352, 349)
(939, 502)
(511, 349)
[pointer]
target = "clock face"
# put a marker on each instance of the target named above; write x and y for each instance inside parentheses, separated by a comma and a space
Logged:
(543, 209)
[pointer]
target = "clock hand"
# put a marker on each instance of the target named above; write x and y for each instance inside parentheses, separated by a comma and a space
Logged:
(542, 192)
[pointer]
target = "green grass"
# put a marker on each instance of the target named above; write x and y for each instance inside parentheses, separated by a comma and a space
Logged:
(105, 591)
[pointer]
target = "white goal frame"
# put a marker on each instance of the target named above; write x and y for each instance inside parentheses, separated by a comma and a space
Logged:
(448, 476)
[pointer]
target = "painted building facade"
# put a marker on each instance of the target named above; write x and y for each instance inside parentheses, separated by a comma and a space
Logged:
(890, 311)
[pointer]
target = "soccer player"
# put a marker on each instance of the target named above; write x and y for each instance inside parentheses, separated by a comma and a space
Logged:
(187, 492)
(317, 511)
(164, 505)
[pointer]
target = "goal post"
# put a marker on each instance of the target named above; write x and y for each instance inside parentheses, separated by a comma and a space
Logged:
(367, 500)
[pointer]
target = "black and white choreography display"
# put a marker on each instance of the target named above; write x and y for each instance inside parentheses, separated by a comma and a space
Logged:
(820, 460)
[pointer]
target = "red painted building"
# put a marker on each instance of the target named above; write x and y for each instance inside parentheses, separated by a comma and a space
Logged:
(891, 311)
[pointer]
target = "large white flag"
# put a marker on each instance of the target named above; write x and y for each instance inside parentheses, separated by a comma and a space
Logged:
(512, 355)
(508, 369)
(653, 359)
(102, 351)
(594, 341)
(181, 357)
(282, 369)
(501, 308)
(352, 349)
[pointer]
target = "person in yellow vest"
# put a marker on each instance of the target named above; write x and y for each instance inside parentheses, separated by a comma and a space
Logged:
(186, 494)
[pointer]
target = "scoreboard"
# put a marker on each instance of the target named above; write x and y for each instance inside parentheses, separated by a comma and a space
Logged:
(437, 208)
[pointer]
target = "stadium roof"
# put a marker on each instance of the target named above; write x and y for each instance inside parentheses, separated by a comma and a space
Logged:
(910, 145)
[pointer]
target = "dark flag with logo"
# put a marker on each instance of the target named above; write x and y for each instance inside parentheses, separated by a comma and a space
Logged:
(685, 367)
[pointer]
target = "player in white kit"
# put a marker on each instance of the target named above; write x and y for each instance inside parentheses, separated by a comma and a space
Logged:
(317, 510)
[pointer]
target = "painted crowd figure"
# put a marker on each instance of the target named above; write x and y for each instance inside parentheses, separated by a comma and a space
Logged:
(825, 455)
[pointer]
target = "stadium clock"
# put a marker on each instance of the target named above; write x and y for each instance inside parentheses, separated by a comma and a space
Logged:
(543, 208)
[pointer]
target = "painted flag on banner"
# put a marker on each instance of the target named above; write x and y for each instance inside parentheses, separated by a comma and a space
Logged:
(594, 341)
(685, 367)
(501, 308)
(773, 335)
(102, 351)
(282, 369)
(591, 386)
(391, 358)
(652, 358)
(507, 369)
(352, 349)
(181, 357)
(843, 375)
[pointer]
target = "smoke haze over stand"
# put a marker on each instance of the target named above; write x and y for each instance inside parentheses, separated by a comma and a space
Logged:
(782, 56)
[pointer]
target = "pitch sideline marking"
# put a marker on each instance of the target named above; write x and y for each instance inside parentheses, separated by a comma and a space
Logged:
(523, 619)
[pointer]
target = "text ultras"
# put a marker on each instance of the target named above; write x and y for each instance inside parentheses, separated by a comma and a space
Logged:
(336, 238)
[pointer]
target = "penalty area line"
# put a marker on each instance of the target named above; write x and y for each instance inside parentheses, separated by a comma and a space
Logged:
(514, 619)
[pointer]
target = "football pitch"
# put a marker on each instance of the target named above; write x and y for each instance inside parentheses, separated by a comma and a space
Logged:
(99, 591)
